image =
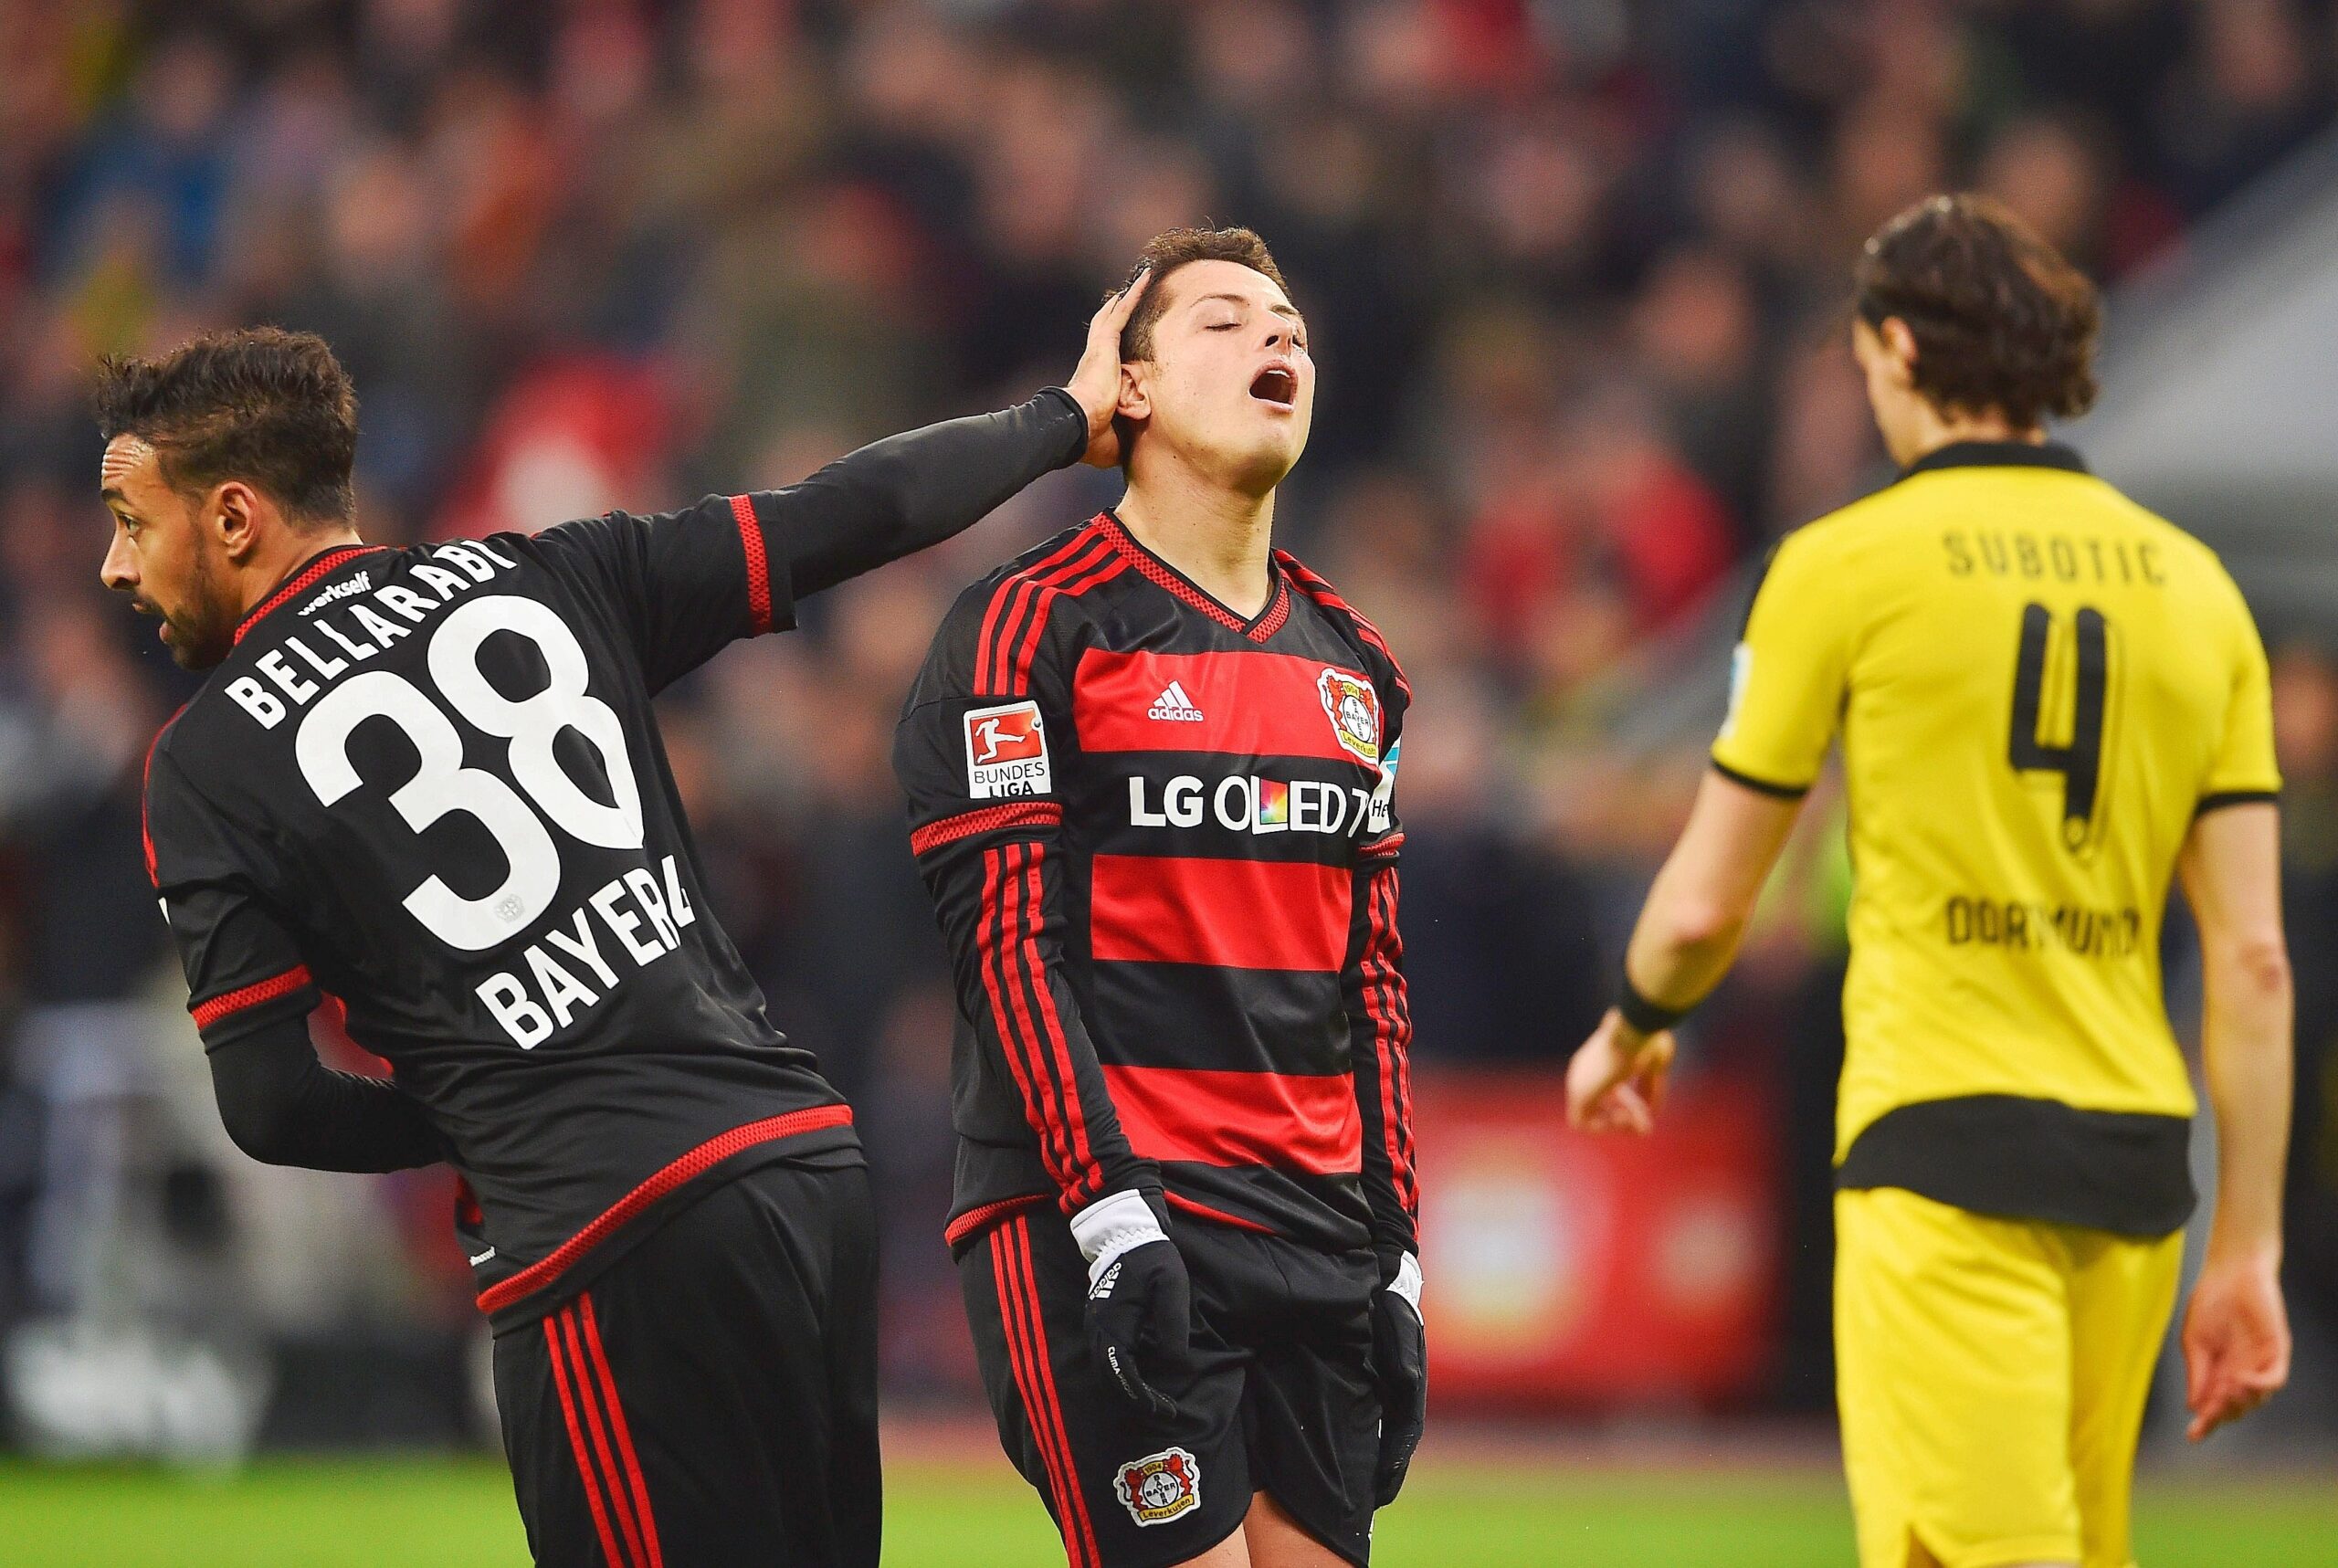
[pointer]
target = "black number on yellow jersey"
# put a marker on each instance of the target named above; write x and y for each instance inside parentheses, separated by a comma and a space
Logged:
(2080, 762)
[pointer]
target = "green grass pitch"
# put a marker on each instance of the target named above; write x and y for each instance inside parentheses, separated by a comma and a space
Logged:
(397, 1513)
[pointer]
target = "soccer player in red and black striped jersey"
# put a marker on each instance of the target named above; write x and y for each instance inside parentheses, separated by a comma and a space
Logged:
(428, 782)
(1150, 767)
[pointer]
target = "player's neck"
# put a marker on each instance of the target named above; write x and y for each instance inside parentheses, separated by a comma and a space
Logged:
(1219, 538)
(270, 565)
(1932, 429)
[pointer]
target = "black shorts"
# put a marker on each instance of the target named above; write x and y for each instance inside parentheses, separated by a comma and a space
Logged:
(1280, 1397)
(711, 1398)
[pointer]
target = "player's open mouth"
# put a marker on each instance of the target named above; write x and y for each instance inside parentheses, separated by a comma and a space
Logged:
(1277, 385)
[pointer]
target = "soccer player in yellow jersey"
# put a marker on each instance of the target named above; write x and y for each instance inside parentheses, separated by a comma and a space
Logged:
(2051, 703)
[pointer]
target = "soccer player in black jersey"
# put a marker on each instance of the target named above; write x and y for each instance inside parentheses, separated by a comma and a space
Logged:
(1150, 768)
(427, 782)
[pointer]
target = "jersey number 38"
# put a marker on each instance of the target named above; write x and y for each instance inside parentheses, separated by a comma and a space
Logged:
(443, 784)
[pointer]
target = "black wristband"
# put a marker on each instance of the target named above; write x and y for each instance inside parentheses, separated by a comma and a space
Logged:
(1646, 1017)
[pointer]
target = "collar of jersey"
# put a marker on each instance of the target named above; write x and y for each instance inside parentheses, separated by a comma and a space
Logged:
(1998, 454)
(304, 577)
(1259, 627)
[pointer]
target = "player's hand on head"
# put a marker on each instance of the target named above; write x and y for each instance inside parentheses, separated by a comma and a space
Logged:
(2236, 1340)
(1140, 1301)
(1095, 384)
(1616, 1081)
(1400, 1368)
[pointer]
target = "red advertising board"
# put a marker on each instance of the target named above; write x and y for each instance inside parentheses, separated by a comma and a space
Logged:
(1566, 1270)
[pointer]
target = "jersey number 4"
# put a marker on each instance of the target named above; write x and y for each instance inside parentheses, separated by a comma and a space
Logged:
(2079, 760)
(442, 785)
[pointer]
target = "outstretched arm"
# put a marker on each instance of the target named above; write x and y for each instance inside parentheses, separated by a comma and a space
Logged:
(900, 495)
(686, 583)
(2236, 1333)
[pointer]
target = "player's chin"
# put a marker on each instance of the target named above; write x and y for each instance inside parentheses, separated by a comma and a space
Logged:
(1263, 456)
(195, 648)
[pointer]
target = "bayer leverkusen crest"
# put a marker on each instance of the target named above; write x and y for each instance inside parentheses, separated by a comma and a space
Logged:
(1354, 708)
(1160, 1487)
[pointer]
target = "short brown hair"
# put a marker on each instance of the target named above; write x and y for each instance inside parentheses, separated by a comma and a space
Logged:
(1164, 253)
(2001, 321)
(271, 407)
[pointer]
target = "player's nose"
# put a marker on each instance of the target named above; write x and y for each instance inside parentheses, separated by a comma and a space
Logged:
(118, 571)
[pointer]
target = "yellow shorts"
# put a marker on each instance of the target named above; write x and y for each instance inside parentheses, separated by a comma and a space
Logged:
(1991, 1376)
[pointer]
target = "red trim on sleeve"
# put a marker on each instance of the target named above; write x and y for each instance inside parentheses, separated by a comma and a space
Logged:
(699, 1160)
(988, 819)
(1091, 1173)
(1030, 1029)
(751, 537)
(974, 1219)
(209, 1012)
(1392, 1034)
(1381, 849)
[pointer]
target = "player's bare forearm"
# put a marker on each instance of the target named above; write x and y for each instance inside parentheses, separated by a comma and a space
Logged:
(1687, 936)
(1698, 908)
(2231, 872)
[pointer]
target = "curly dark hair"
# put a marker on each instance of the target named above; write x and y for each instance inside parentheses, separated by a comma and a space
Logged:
(1167, 252)
(271, 407)
(2002, 322)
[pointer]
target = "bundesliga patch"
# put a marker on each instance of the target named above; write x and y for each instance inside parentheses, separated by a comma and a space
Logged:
(1007, 752)
(1160, 1487)
(1354, 708)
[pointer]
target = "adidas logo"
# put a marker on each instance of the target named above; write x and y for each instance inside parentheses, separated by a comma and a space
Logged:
(1174, 705)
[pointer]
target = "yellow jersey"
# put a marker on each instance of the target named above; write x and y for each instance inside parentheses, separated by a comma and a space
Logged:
(2038, 685)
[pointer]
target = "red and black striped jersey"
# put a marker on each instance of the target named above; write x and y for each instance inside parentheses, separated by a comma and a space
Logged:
(1161, 840)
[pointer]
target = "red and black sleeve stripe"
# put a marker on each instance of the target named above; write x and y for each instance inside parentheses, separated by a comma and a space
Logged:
(1384, 1040)
(750, 539)
(1039, 1052)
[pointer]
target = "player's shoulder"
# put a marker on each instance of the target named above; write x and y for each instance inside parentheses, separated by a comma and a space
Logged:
(1054, 572)
(1856, 531)
(2183, 549)
(1009, 618)
(1352, 624)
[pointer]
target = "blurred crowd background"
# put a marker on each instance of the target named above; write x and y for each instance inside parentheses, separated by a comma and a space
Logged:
(1576, 276)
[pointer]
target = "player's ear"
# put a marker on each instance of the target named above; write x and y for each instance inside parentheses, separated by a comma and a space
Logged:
(1136, 401)
(1899, 346)
(231, 514)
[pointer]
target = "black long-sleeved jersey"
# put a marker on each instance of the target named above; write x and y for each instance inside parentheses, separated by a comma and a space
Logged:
(1162, 845)
(429, 782)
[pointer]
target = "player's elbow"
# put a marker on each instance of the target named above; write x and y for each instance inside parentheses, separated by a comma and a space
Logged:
(1704, 926)
(262, 1132)
(2256, 965)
